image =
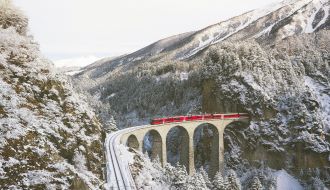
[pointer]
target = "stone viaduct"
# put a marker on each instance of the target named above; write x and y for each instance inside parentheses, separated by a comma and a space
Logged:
(159, 133)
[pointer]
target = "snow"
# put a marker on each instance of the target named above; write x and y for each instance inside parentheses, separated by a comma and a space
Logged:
(309, 28)
(37, 177)
(285, 181)
(71, 73)
(111, 95)
(223, 30)
(322, 98)
(324, 19)
(79, 161)
(265, 31)
(126, 156)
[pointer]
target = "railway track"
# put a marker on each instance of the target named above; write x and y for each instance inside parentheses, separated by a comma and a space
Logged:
(118, 175)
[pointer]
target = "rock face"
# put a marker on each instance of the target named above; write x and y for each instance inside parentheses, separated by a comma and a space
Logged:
(286, 91)
(49, 137)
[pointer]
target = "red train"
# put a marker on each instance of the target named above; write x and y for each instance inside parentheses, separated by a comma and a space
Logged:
(177, 119)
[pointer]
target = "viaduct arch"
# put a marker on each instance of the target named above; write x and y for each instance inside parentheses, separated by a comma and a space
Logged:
(159, 139)
(177, 143)
(152, 144)
(206, 145)
(132, 142)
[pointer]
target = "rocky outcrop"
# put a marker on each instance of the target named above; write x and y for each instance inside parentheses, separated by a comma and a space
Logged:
(285, 90)
(49, 137)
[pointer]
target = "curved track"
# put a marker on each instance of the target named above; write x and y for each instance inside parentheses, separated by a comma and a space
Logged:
(118, 173)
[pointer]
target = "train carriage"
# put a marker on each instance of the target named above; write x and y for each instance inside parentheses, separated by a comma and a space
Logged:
(177, 119)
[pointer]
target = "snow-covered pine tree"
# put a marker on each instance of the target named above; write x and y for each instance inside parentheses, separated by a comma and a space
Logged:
(179, 176)
(110, 125)
(256, 184)
(218, 182)
(146, 156)
(156, 163)
(168, 172)
(195, 182)
(79, 160)
(318, 183)
(206, 178)
(162, 177)
(233, 181)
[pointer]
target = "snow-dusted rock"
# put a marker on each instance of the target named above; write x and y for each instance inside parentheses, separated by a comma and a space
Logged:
(49, 136)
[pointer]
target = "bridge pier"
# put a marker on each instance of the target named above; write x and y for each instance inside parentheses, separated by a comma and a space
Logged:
(164, 153)
(191, 168)
(140, 139)
(221, 151)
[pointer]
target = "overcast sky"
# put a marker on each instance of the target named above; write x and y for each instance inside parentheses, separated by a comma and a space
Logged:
(72, 28)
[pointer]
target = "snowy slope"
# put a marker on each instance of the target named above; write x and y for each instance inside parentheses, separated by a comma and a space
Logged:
(285, 181)
(276, 21)
(267, 25)
(321, 95)
(226, 29)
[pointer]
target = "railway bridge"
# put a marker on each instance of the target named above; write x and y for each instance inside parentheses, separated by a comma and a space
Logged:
(187, 126)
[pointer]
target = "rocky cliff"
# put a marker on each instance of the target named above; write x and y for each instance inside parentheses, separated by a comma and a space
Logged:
(49, 137)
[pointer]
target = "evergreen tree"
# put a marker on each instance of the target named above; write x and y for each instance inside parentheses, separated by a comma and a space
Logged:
(179, 176)
(218, 182)
(169, 173)
(110, 125)
(206, 178)
(195, 182)
(156, 164)
(146, 156)
(161, 176)
(233, 181)
(256, 184)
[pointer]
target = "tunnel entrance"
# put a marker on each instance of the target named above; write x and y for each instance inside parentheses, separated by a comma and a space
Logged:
(206, 148)
(177, 144)
(239, 145)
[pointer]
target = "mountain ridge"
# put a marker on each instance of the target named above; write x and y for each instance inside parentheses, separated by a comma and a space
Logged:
(265, 25)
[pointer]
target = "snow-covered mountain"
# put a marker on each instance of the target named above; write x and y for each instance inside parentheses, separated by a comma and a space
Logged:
(270, 24)
(272, 63)
(266, 25)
